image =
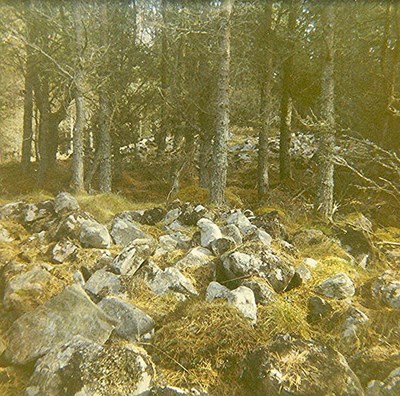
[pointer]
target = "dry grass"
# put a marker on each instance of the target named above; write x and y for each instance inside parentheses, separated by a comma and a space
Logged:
(14, 380)
(203, 344)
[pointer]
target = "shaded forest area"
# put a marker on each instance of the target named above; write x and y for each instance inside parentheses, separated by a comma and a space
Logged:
(111, 88)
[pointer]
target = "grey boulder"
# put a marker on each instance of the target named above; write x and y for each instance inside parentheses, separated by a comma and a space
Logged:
(339, 286)
(64, 203)
(267, 371)
(241, 298)
(85, 368)
(66, 315)
(125, 231)
(63, 251)
(133, 256)
(132, 323)
(94, 235)
(209, 232)
(103, 283)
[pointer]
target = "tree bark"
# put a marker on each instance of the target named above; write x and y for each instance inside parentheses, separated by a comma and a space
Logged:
(220, 149)
(325, 178)
(28, 114)
(162, 133)
(42, 99)
(77, 183)
(266, 102)
(105, 171)
(285, 169)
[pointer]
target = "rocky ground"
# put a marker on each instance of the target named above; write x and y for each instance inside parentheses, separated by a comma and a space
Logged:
(187, 300)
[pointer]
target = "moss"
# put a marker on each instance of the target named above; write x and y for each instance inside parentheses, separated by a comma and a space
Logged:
(104, 206)
(209, 340)
(262, 210)
(192, 193)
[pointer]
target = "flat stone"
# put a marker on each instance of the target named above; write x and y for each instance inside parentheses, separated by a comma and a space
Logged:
(103, 283)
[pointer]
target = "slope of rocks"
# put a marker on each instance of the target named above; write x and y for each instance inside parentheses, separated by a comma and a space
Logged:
(184, 300)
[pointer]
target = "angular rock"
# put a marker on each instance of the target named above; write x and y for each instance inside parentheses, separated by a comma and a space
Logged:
(339, 286)
(63, 251)
(209, 232)
(176, 226)
(69, 226)
(390, 386)
(64, 203)
(171, 216)
(314, 369)
(125, 231)
(66, 315)
(242, 298)
(271, 267)
(36, 213)
(386, 289)
(216, 290)
(153, 216)
(132, 323)
(85, 368)
(27, 290)
(171, 280)
(355, 320)
(4, 235)
(231, 231)
(302, 275)
(133, 256)
(11, 211)
(259, 235)
(94, 235)
(310, 262)
(173, 391)
(271, 222)
(103, 283)
(192, 214)
(317, 309)
(263, 292)
(197, 257)
(222, 245)
(241, 222)
(166, 244)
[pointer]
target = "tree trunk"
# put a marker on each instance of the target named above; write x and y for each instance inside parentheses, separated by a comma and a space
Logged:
(28, 113)
(77, 183)
(105, 171)
(162, 133)
(220, 149)
(266, 101)
(285, 169)
(325, 177)
(42, 100)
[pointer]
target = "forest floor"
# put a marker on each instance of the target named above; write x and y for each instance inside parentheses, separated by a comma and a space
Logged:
(210, 358)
